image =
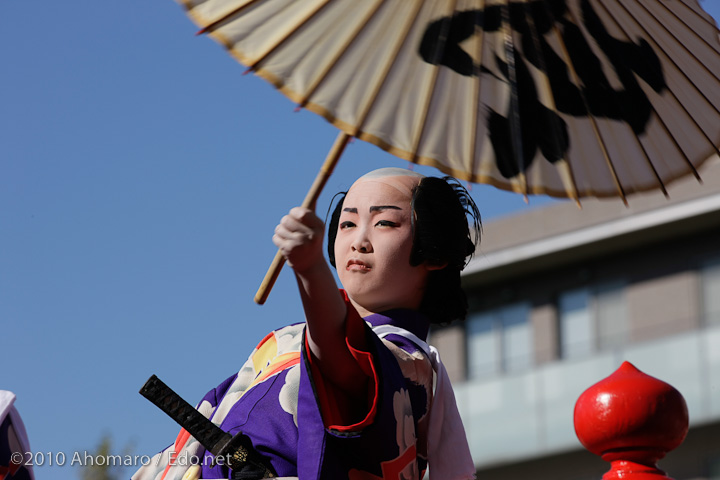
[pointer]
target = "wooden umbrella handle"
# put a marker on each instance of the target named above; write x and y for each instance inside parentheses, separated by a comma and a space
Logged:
(310, 199)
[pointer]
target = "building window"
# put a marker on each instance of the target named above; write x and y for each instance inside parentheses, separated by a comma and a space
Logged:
(591, 319)
(710, 278)
(499, 341)
(576, 325)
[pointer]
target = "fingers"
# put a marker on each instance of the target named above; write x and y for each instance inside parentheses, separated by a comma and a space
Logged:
(290, 233)
(299, 237)
(307, 217)
(299, 224)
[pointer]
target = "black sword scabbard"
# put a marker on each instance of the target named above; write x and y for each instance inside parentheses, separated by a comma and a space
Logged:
(236, 450)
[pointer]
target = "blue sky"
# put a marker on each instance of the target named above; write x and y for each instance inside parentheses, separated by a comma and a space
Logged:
(141, 178)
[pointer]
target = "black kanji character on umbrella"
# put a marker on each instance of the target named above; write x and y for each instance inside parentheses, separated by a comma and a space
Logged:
(540, 127)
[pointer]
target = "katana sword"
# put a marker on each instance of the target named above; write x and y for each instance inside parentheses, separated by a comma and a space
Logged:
(237, 450)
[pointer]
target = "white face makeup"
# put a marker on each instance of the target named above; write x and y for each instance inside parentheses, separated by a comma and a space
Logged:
(373, 244)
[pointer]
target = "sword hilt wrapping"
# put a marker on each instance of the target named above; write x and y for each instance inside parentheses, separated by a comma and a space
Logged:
(237, 451)
(183, 413)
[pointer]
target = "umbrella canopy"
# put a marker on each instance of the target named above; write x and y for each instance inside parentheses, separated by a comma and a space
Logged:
(569, 98)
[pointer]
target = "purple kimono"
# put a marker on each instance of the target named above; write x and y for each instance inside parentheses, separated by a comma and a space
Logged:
(282, 403)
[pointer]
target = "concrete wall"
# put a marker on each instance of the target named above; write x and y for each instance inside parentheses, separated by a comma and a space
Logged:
(662, 296)
(543, 319)
(450, 342)
(665, 305)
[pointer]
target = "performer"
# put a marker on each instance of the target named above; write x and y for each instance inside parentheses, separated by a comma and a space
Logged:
(15, 456)
(354, 392)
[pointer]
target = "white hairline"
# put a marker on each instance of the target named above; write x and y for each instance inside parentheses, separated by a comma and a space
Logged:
(391, 172)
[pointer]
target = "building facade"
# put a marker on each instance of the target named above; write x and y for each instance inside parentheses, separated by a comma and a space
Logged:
(560, 296)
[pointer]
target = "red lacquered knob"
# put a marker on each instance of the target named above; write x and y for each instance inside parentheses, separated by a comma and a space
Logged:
(631, 420)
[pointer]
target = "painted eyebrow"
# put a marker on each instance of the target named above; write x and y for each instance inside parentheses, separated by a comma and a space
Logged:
(378, 208)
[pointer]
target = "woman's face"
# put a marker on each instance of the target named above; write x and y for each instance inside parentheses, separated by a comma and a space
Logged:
(373, 244)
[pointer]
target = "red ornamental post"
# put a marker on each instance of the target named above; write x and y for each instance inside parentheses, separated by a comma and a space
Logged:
(631, 420)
